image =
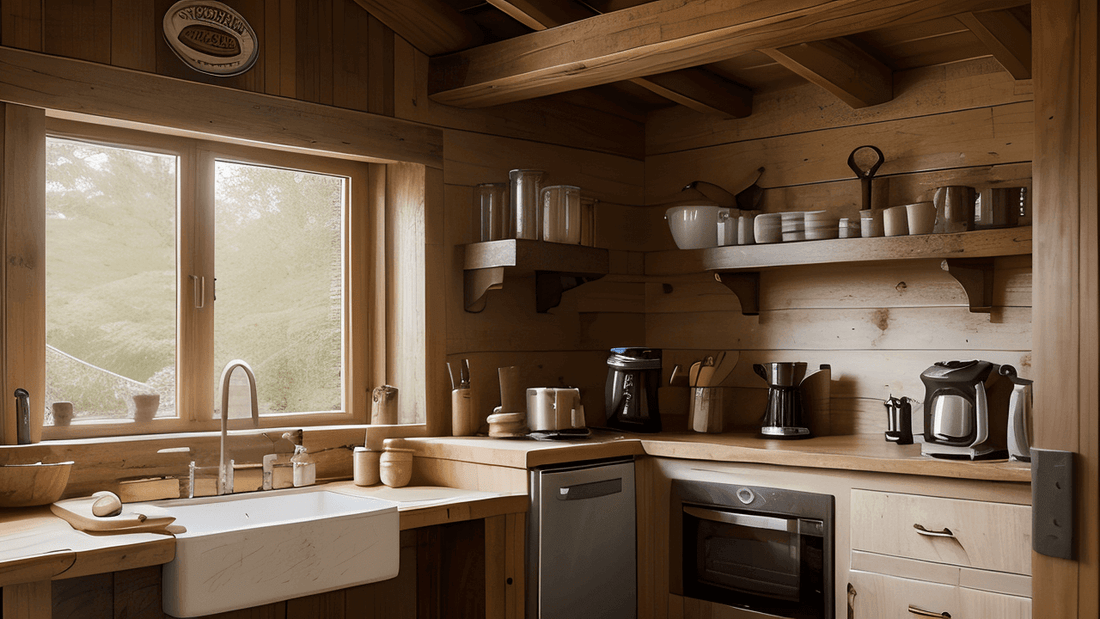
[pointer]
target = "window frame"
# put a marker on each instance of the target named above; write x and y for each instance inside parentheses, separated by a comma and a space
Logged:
(196, 387)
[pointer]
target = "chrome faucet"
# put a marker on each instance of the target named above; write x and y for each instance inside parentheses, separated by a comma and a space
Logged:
(225, 484)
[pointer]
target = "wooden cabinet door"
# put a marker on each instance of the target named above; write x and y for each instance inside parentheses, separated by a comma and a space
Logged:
(877, 596)
(992, 536)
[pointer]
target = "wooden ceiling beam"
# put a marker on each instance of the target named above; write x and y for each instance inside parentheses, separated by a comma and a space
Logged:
(542, 14)
(701, 90)
(840, 67)
(662, 36)
(431, 26)
(1005, 37)
(696, 89)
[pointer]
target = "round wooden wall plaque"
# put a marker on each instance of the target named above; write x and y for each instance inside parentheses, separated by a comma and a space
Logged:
(210, 37)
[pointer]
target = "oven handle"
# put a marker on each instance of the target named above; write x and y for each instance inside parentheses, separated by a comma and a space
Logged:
(787, 525)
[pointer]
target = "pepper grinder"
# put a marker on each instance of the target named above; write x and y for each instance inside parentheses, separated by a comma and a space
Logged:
(462, 418)
(899, 420)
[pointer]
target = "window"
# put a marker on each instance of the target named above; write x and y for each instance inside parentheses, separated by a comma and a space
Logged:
(168, 258)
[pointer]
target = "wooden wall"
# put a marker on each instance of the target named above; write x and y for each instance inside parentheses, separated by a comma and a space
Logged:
(597, 148)
(878, 324)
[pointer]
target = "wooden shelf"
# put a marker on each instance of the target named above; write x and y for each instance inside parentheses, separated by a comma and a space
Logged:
(557, 268)
(967, 256)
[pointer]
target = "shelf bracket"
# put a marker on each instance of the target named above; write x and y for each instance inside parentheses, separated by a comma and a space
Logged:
(746, 285)
(550, 285)
(976, 277)
(477, 284)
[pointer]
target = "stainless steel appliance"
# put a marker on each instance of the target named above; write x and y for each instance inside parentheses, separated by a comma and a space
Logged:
(965, 410)
(581, 553)
(630, 394)
(1019, 415)
(762, 550)
(783, 415)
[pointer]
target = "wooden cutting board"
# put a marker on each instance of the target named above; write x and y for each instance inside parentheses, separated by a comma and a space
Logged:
(133, 519)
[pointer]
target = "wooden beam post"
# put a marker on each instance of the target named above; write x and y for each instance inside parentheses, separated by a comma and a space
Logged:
(23, 269)
(1066, 306)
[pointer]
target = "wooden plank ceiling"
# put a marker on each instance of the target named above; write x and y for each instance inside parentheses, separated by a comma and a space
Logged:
(709, 56)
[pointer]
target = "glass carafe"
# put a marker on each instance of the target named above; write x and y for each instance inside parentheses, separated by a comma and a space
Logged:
(524, 199)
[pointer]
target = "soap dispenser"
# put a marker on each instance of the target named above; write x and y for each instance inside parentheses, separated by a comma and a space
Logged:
(305, 469)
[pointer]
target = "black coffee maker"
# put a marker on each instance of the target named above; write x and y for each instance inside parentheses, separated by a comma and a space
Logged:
(630, 396)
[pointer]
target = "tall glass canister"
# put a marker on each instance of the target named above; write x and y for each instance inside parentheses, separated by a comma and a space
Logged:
(524, 199)
(492, 203)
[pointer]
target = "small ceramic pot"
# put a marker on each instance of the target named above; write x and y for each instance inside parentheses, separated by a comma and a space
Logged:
(870, 223)
(366, 466)
(396, 467)
(848, 228)
(895, 221)
(921, 217)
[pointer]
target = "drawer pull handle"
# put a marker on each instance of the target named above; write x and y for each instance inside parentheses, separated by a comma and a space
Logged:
(925, 532)
(920, 612)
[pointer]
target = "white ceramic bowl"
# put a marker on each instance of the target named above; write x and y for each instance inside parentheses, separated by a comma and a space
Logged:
(694, 227)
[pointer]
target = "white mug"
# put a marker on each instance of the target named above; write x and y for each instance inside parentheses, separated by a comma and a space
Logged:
(554, 408)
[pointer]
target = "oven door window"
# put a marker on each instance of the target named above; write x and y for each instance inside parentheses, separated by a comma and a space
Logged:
(748, 560)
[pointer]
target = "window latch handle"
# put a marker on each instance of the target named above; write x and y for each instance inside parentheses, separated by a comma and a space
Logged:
(200, 291)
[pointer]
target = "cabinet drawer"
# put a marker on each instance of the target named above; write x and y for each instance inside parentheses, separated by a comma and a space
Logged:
(992, 536)
(877, 596)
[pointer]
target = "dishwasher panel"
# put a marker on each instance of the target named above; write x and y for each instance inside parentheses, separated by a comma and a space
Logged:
(582, 543)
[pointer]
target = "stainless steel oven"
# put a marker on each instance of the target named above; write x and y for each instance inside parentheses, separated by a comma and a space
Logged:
(762, 550)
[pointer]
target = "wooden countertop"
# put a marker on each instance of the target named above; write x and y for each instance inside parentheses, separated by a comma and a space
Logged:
(861, 452)
(36, 545)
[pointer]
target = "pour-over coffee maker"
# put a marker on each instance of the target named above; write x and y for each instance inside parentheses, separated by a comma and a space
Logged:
(783, 416)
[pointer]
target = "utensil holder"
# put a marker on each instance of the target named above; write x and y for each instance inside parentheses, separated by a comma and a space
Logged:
(706, 412)
(462, 417)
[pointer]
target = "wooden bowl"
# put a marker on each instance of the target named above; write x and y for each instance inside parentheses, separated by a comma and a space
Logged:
(27, 485)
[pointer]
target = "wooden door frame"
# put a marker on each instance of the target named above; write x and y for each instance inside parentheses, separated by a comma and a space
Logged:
(1066, 310)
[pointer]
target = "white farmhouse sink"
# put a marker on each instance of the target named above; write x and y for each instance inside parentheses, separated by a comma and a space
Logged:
(241, 551)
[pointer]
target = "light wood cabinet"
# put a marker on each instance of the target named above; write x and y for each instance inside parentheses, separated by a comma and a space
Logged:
(920, 556)
(994, 536)
(878, 596)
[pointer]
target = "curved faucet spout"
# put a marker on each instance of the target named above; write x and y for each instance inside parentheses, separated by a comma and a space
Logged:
(224, 483)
